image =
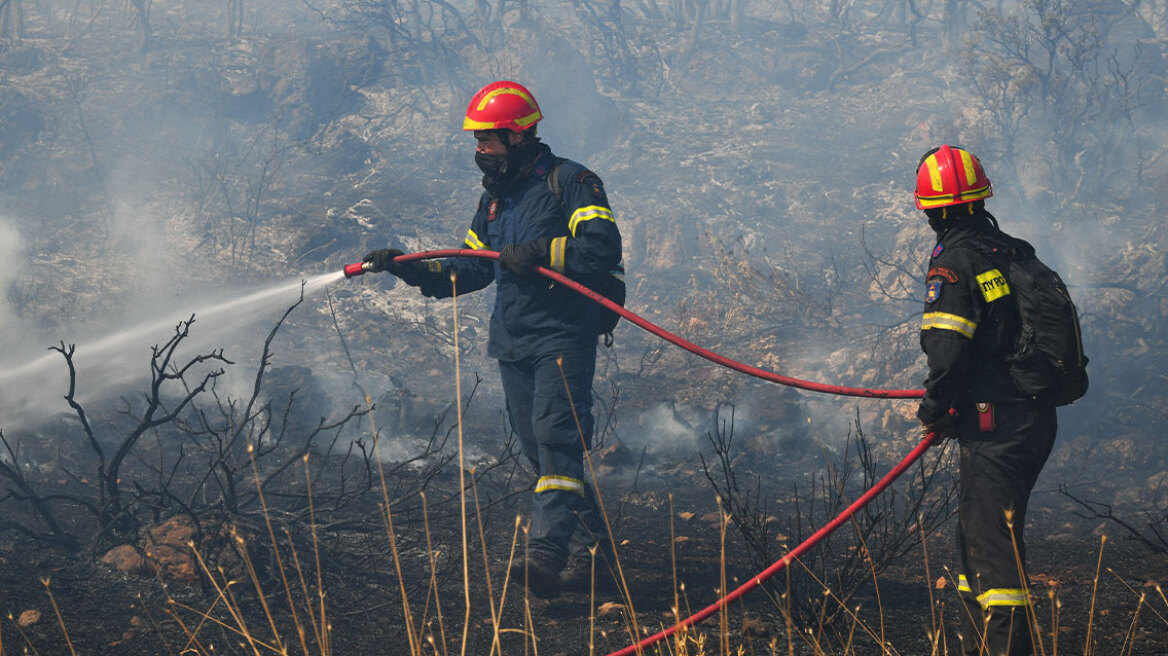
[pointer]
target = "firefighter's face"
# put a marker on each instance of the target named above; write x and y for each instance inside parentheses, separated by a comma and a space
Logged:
(489, 142)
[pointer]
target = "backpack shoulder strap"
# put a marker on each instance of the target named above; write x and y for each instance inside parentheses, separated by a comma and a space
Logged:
(553, 180)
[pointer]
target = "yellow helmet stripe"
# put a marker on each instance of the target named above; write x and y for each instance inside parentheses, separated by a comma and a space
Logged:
(946, 321)
(586, 213)
(967, 166)
(952, 199)
(468, 124)
(471, 124)
(529, 119)
(934, 173)
(498, 92)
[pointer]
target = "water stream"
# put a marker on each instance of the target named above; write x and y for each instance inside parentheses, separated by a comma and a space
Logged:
(32, 385)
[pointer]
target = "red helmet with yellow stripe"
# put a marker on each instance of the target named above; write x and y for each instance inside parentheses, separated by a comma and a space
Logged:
(502, 105)
(949, 176)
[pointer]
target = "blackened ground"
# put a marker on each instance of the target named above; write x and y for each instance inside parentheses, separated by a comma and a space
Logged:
(106, 612)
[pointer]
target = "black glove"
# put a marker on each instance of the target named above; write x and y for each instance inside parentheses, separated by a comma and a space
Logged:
(945, 428)
(382, 260)
(524, 258)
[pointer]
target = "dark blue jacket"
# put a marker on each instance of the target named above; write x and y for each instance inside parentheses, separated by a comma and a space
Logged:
(534, 316)
(971, 324)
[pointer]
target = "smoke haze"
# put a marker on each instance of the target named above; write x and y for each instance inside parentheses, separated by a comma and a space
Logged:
(760, 165)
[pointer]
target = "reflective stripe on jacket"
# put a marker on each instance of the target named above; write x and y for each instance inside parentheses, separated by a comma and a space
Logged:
(532, 315)
(970, 324)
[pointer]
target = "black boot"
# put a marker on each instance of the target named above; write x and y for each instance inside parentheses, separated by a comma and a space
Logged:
(578, 575)
(541, 574)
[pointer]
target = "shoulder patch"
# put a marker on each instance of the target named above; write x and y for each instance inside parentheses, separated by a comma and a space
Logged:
(592, 181)
(937, 250)
(933, 291)
(993, 285)
(942, 272)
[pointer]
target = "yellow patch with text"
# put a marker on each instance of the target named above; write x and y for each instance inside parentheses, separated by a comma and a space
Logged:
(993, 285)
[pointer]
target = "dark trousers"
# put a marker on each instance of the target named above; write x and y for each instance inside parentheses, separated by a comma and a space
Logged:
(554, 429)
(1003, 447)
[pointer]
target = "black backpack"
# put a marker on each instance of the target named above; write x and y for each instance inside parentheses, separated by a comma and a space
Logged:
(611, 285)
(1048, 363)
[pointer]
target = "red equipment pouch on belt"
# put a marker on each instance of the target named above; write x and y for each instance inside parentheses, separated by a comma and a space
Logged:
(985, 417)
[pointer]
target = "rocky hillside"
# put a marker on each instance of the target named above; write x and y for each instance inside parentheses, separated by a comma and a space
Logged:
(760, 160)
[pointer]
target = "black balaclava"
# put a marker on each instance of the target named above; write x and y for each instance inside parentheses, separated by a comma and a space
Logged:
(942, 219)
(501, 171)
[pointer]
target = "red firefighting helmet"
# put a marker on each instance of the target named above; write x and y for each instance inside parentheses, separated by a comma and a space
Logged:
(950, 176)
(502, 105)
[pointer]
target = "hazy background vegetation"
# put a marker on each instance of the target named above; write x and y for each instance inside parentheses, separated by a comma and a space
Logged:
(161, 158)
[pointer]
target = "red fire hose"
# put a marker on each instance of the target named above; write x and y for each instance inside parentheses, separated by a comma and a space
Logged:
(792, 555)
(359, 268)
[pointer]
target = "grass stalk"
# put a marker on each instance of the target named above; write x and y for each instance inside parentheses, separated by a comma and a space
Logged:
(1130, 637)
(592, 600)
(1087, 650)
(57, 612)
(867, 554)
(461, 471)
(529, 645)
(247, 563)
(192, 635)
(788, 621)
(496, 613)
(411, 634)
(387, 520)
(232, 609)
(433, 573)
(313, 620)
(506, 582)
(207, 617)
(634, 631)
(937, 624)
(723, 624)
(1138, 593)
(279, 559)
(325, 643)
(679, 637)
(1032, 625)
(153, 624)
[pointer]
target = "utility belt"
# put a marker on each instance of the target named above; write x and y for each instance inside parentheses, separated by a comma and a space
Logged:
(987, 415)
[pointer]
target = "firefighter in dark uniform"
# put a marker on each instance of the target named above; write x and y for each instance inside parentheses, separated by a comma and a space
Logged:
(543, 334)
(970, 326)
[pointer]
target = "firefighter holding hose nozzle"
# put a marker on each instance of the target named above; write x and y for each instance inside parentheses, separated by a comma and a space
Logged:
(1002, 342)
(537, 210)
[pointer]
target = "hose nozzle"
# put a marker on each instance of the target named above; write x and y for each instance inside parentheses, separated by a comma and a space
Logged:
(357, 269)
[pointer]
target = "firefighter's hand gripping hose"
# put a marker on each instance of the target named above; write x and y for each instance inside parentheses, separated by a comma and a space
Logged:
(928, 440)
